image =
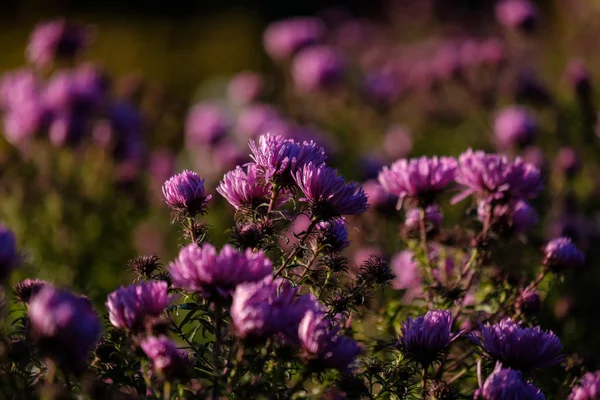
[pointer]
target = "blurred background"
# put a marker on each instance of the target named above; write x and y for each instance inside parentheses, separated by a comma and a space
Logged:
(388, 79)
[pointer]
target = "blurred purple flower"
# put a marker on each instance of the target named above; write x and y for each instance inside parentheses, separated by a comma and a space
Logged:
(184, 193)
(447, 63)
(205, 124)
(568, 161)
(381, 87)
(284, 38)
(424, 338)
(529, 301)
(166, 358)
(327, 194)
(63, 325)
(492, 52)
(433, 218)
(133, 306)
(514, 127)
(241, 188)
(419, 179)
(323, 345)
(56, 39)
(519, 347)
(408, 275)
(333, 235)
(19, 86)
(494, 178)
(535, 156)
(278, 159)
(378, 198)
(257, 119)
(505, 383)
(317, 68)
(28, 288)
(215, 275)
(397, 142)
(9, 257)
(67, 129)
(519, 216)
(561, 255)
(245, 87)
(516, 14)
(588, 387)
(225, 154)
(578, 76)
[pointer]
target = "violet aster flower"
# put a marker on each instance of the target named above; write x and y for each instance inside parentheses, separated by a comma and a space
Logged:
(215, 275)
(317, 68)
(28, 288)
(327, 194)
(588, 387)
(419, 179)
(425, 338)
(133, 306)
(284, 38)
(56, 39)
(278, 158)
(242, 189)
(323, 345)
(333, 235)
(185, 195)
(561, 254)
(433, 218)
(494, 177)
(245, 87)
(516, 14)
(63, 325)
(504, 384)
(514, 127)
(9, 257)
(269, 307)
(167, 360)
(257, 119)
(206, 123)
(519, 347)
(529, 301)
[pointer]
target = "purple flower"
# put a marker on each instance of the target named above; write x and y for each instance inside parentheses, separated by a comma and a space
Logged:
(63, 325)
(245, 87)
(327, 194)
(433, 218)
(9, 257)
(568, 161)
(516, 14)
(206, 123)
(514, 127)
(518, 216)
(588, 387)
(269, 307)
(561, 254)
(382, 88)
(56, 39)
(397, 142)
(419, 179)
(578, 76)
(18, 86)
(278, 158)
(243, 189)
(425, 338)
(323, 345)
(317, 68)
(284, 38)
(202, 269)
(495, 178)
(28, 288)
(519, 347)
(504, 384)
(184, 193)
(257, 119)
(408, 275)
(133, 306)
(333, 235)
(378, 198)
(166, 358)
(529, 301)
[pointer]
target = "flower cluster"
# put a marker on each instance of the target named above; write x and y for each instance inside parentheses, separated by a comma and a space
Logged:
(134, 306)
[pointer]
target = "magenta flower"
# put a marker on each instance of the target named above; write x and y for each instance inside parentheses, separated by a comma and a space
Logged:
(516, 14)
(284, 38)
(397, 142)
(167, 359)
(433, 218)
(258, 119)
(495, 178)
(216, 275)
(63, 325)
(323, 345)
(242, 189)
(588, 387)
(561, 254)
(425, 338)
(505, 384)
(134, 306)
(514, 127)
(28, 288)
(408, 276)
(206, 123)
(56, 39)
(317, 68)
(327, 194)
(278, 159)
(185, 195)
(270, 307)
(519, 347)
(420, 179)
(245, 87)
(518, 216)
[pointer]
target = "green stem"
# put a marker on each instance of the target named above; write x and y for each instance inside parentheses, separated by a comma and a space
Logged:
(217, 349)
(48, 391)
(312, 225)
(167, 390)
(425, 246)
(424, 383)
(274, 195)
(192, 229)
